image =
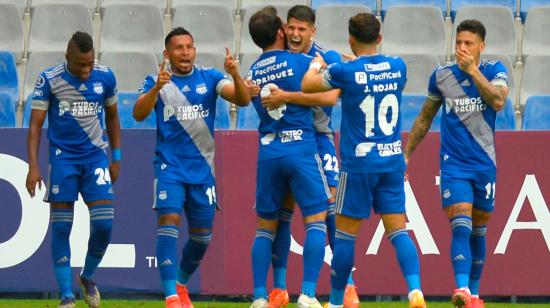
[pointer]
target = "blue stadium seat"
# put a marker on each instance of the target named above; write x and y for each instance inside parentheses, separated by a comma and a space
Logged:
(411, 105)
(8, 76)
(526, 5)
(27, 113)
(506, 118)
(370, 3)
(537, 113)
(336, 117)
(247, 118)
(126, 103)
(386, 4)
(7, 111)
(222, 114)
(456, 4)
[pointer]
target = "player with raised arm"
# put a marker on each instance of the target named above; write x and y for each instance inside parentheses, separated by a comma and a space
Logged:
(288, 162)
(74, 96)
(183, 96)
(300, 30)
(373, 167)
(471, 91)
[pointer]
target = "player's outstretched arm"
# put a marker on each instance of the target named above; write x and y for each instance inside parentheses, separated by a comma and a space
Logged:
(313, 79)
(238, 92)
(279, 97)
(113, 131)
(421, 125)
(33, 143)
(146, 102)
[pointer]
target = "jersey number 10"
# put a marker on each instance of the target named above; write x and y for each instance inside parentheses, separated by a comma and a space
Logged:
(367, 106)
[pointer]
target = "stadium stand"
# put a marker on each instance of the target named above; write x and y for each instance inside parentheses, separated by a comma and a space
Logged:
(535, 32)
(457, 4)
(247, 118)
(332, 25)
(46, 35)
(38, 62)
(247, 45)
(211, 26)
(419, 70)
(132, 27)
(499, 23)
(245, 4)
(411, 105)
(222, 120)
(161, 4)
(126, 102)
(11, 30)
(535, 79)
(506, 118)
(7, 111)
(89, 4)
(537, 113)
(210, 59)
(441, 4)
(246, 61)
(130, 68)
(27, 113)
(8, 77)
(526, 5)
(315, 4)
(414, 30)
(230, 4)
(20, 4)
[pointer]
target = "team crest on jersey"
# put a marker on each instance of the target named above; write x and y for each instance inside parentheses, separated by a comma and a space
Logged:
(64, 106)
(55, 189)
(98, 88)
(201, 89)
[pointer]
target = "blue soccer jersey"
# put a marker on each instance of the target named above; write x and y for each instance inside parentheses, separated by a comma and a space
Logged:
(289, 128)
(468, 122)
(371, 124)
(186, 109)
(75, 112)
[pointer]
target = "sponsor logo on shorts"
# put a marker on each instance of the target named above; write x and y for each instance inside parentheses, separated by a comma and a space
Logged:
(163, 195)
(55, 189)
(446, 194)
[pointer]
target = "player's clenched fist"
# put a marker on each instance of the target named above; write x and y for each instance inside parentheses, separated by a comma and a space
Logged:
(164, 75)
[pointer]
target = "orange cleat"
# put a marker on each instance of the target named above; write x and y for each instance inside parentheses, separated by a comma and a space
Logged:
(173, 302)
(183, 295)
(351, 299)
(461, 298)
(476, 302)
(416, 299)
(278, 298)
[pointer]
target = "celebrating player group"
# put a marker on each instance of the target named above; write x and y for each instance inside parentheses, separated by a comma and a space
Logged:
(292, 85)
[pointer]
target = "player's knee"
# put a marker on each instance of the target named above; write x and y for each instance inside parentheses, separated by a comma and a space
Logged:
(268, 221)
(480, 218)
(315, 217)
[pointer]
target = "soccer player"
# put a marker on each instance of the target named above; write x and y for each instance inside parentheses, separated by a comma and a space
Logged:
(183, 96)
(471, 92)
(287, 161)
(300, 30)
(372, 162)
(74, 95)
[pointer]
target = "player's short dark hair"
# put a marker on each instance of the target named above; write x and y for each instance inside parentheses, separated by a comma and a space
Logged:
(83, 41)
(263, 26)
(302, 13)
(175, 32)
(364, 27)
(472, 25)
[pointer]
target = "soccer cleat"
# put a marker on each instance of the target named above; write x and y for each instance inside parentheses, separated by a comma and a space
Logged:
(416, 299)
(183, 294)
(259, 303)
(278, 298)
(461, 298)
(173, 302)
(351, 300)
(90, 292)
(305, 301)
(476, 302)
(67, 302)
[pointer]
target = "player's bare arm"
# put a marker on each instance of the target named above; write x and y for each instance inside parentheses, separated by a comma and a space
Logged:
(146, 102)
(33, 143)
(494, 95)
(279, 97)
(313, 79)
(237, 92)
(113, 131)
(422, 125)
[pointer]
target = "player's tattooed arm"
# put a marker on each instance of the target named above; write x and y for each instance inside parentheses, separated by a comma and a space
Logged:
(494, 95)
(422, 124)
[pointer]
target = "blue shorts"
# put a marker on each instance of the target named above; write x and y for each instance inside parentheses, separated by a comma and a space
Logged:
(197, 200)
(358, 192)
(92, 180)
(477, 187)
(301, 175)
(327, 153)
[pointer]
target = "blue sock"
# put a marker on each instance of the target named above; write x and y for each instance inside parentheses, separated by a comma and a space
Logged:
(461, 256)
(314, 254)
(342, 263)
(62, 223)
(192, 254)
(281, 249)
(407, 256)
(477, 245)
(261, 258)
(101, 223)
(331, 225)
(167, 237)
